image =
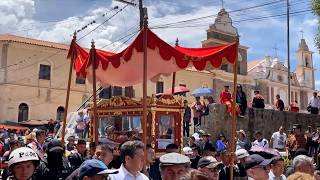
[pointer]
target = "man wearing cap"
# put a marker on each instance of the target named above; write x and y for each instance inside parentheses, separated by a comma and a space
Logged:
(207, 145)
(103, 153)
(257, 167)
(209, 166)
(94, 170)
(70, 145)
(277, 169)
(132, 156)
(173, 165)
(55, 166)
(79, 155)
(242, 141)
(241, 155)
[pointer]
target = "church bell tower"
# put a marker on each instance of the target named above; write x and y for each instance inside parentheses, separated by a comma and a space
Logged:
(305, 70)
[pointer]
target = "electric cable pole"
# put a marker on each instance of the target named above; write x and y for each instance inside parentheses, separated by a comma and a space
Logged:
(288, 53)
(142, 10)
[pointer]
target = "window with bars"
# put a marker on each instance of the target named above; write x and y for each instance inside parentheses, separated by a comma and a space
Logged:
(159, 87)
(224, 67)
(117, 91)
(80, 80)
(129, 92)
(44, 72)
(105, 93)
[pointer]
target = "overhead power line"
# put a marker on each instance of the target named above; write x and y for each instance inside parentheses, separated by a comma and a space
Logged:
(236, 21)
(214, 15)
(56, 53)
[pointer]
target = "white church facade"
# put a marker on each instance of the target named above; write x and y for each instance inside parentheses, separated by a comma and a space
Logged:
(271, 74)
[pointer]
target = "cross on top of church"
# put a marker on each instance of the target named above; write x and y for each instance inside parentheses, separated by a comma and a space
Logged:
(301, 31)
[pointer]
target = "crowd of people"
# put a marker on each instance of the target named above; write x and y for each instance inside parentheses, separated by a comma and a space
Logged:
(37, 155)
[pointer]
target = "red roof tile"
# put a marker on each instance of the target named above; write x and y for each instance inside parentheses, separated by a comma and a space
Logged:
(25, 40)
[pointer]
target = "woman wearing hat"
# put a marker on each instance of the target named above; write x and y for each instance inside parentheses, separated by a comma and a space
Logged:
(242, 141)
(22, 163)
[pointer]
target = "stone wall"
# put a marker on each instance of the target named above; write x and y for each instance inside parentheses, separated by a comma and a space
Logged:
(267, 121)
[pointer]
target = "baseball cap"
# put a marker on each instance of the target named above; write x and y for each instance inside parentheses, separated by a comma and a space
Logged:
(93, 167)
(187, 151)
(208, 162)
(241, 153)
(174, 159)
(242, 132)
(55, 145)
(256, 160)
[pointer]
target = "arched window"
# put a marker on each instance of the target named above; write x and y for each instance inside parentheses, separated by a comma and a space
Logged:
(23, 112)
(60, 113)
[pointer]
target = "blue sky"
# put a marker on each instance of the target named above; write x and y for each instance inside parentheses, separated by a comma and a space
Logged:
(55, 20)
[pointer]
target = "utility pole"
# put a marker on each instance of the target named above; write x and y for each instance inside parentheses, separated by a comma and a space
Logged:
(288, 53)
(141, 9)
(141, 13)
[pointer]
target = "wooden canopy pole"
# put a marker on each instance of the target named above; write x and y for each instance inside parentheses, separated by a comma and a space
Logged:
(174, 74)
(68, 93)
(94, 89)
(145, 66)
(233, 123)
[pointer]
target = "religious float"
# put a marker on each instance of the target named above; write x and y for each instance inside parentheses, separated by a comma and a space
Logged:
(120, 119)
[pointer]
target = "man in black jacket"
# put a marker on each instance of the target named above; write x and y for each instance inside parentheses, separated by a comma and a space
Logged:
(186, 118)
(55, 166)
(79, 156)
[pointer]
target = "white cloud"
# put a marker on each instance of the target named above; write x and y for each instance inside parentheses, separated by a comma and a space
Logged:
(15, 14)
(311, 22)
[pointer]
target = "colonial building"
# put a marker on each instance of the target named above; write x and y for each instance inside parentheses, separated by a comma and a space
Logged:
(271, 76)
(33, 80)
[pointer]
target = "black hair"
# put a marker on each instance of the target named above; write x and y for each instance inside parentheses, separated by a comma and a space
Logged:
(92, 145)
(39, 133)
(300, 151)
(105, 147)
(191, 137)
(129, 148)
(276, 159)
(172, 146)
(149, 146)
(81, 141)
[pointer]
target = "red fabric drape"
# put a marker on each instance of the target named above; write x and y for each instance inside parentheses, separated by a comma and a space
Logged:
(183, 57)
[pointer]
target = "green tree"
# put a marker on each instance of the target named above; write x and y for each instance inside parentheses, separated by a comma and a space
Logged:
(316, 11)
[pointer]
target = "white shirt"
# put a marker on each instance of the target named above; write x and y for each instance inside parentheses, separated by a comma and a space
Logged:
(279, 140)
(273, 177)
(124, 174)
(263, 143)
(314, 102)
